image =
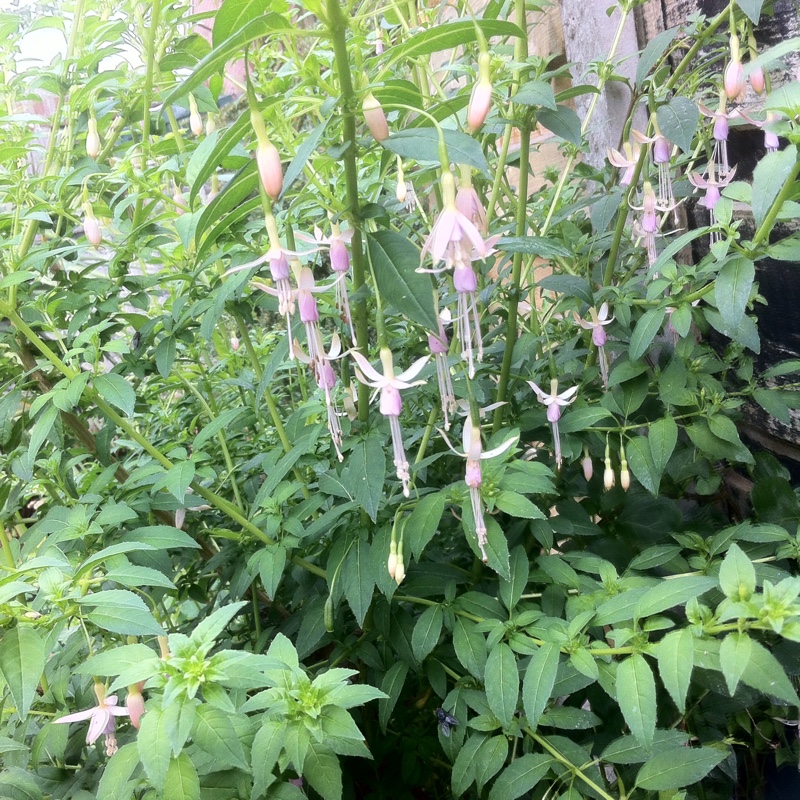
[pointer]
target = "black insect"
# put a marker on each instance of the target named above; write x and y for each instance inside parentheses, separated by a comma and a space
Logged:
(446, 721)
(136, 340)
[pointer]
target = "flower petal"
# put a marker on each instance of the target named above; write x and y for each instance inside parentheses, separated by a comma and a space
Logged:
(368, 370)
(496, 451)
(413, 370)
(78, 716)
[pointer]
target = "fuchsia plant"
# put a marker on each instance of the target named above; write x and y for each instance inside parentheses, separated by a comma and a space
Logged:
(102, 718)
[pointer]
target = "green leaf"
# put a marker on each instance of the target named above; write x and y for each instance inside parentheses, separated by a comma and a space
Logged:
(391, 686)
(536, 93)
(675, 663)
(258, 28)
(121, 611)
(395, 260)
(540, 677)
(422, 145)
(219, 424)
(679, 767)
(678, 121)
(182, 782)
(427, 630)
(422, 524)
(322, 770)
(267, 746)
(646, 328)
(516, 505)
(737, 575)
(569, 285)
(752, 8)
(769, 177)
(534, 246)
(231, 199)
(520, 776)
(365, 474)
(22, 660)
(116, 390)
(463, 773)
(358, 579)
(211, 627)
(214, 732)
(449, 36)
(734, 656)
(511, 590)
(641, 463)
(295, 168)
(271, 562)
(627, 750)
(165, 355)
(489, 759)
(580, 419)
(662, 438)
(163, 537)
(154, 746)
(771, 400)
(732, 289)
(651, 54)
(177, 480)
(470, 647)
(116, 660)
(115, 783)
(235, 14)
(671, 593)
(765, 673)
(563, 122)
(636, 694)
(502, 683)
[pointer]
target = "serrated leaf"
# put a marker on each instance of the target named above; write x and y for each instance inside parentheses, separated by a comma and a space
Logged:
(162, 537)
(450, 35)
(395, 261)
(234, 14)
(267, 746)
(358, 579)
(116, 660)
(540, 677)
(678, 121)
(182, 782)
(516, 505)
(752, 8)
(309, 144)
(219, 424)
(121, 611)
(671, 593)
(536, 93)
(502, 683)
(675, 663)
(214, 732)
(154, 747)
(636, 694)
(489, 759)
(165, 355)
(641, 463)
(22, 660)
(422, 145)
(520, 776)
(511, 590)
(426, 633)
(563, 122)
(322, 770)
(677, 768)
(470, 647)
(422, 524)
(769, 177)
(651, 54)
(391, 686)
(365, 474)
(643, 334)
(662, 438)
(463, 773)
(732, 289)
(116, 390)
(115, 780)
(737, 575)
(734, 656)
(765, 673)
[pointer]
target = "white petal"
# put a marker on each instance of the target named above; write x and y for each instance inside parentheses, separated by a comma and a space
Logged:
(496, 451)
(414, 369)
(539, 393)
(368, 370)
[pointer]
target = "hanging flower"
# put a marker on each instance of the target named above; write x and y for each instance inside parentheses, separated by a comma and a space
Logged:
(720, 134)
(102, 718)
(733, 78)
(661, 154)
(480, 100)
(758, 80)
(375, 117)
(596, 324)
(771, 141)
(555, 402)
(93, 145)
(468, 202)
(195, 120)
(134, 702)
(712, 185)
(649, 220)
(438, 344)
(474, 453)
(391, 404)
(626, 161)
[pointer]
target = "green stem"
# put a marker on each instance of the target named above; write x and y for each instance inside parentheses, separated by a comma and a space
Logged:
(338, 30)
(5, 540)
(423, 445)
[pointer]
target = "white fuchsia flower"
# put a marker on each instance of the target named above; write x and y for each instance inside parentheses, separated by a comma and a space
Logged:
(712, 185)
(649, 220)
(720, 134)
(474, 453)
(596, 324)
(438, 344)
(555, 402)
(391, 404)
(661, 154)
(626, 161)
(102, 718)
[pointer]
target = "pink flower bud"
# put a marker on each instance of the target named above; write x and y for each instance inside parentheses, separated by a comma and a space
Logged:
(734, 79)
(234, 343)
(588, 467)
(720, 128)
(196, 123)
(134, 702)
(375, 118)
(92, 139)
(758, 81)
(91, 227)
(608, 476)
(340, 258)
(480, 100)
(269, 168)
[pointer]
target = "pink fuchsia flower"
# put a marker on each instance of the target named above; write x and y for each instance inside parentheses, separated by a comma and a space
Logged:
(326, 380)
(438, 344)
(720, 134)
(626, 161)
(102, 718)
(712, 185)
(555, 402)
(340, 263)
(134, 702)
(661, 154)
(596, 324)
(474, 453)
(391, 404)
(771, 141)
(453, 231)
(649, 220)
(468, 202)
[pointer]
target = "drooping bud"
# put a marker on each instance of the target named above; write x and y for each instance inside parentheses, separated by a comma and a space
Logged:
(375, 118)
(624, 473)
(480, 100)
(588, 466)
(180, 518)
(134, 702)
(92, 139)
(758, 81)
(734, 72)
(400, 570)
(211, 124)
(234, 343)
(180, 201)
(327, 614)
(195, 120)
(91, 227)
(608, 476)
(270, 169)
(391, 564)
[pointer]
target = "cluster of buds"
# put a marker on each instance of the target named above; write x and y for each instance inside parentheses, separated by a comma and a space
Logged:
(609, 478)
(396, 565)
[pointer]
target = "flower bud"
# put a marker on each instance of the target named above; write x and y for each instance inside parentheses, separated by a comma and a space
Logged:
(180, 201)
(91, 227)
(375, 118)
(195, 120)
(608, 476)
(92, 139)
(180, 518)
(327, 614)
(758, 81)
(134, 702)
(400, 570)
(480, 100)
(234, 343)
(391, 564)
(211, 124)
(734, 73)
(624, 476)
(269, 168)
(588, 467)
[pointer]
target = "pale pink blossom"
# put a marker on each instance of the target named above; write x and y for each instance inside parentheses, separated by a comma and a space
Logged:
(134, 702)
(391, 404)
(102, 718)
(468, 202)
(733, 78)
(626, 161)
(712, 185)
(93, 146)
(554, 403)
(596, 324)
(757, 80)
(771, 141)
(480, 100)
(720, 135)
(661, 154)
